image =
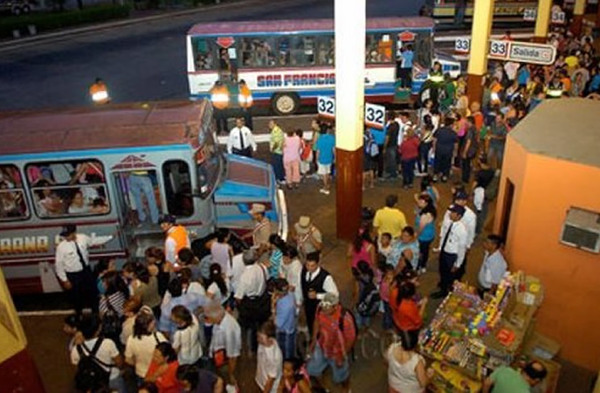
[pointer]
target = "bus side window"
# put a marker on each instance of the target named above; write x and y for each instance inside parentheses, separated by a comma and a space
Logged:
(258, 52)
(178, 188)
(68, 188)
(13, 205)
(302, 51)
(325, 50)
(283, 55)
(378, 48)
(203, 55)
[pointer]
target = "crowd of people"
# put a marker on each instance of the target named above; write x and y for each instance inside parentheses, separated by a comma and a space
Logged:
(180, 320)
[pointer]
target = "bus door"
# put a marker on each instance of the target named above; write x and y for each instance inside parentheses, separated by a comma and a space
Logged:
(228, 60)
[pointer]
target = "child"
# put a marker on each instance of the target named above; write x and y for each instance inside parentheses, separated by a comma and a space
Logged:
(294, 378)
(384, 292)
(269, 360)
(284, 302)
(186, 339)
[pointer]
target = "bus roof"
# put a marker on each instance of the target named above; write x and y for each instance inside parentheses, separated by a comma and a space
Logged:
(316, 25)
(111, 126)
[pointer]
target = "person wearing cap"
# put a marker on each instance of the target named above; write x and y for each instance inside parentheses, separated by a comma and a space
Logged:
(176, 238)
(505, 379)
(308, 237)
(72, 264)
(314, 284)
(493, 267)
(469, 218)
(452, 249)
(332, 340)
(262, 228)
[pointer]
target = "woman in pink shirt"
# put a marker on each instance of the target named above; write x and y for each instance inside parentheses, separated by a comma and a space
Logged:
(291, 159)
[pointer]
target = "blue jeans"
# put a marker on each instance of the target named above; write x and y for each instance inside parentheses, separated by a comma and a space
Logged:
(287, 343)
(388, 322)
(277, 162)
(142, 184)
(362, 321)
(318, 363)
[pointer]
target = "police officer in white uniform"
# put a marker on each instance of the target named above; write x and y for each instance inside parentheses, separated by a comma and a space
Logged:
(453, 247)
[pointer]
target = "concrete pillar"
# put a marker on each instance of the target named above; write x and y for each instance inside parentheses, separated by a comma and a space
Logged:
(542, 22)
(578, 13)
(350, 31)
(483, 15)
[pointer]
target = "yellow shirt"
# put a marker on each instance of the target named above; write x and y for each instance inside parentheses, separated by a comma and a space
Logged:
(389, 220)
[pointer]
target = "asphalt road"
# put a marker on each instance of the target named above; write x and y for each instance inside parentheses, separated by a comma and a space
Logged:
(142, 61)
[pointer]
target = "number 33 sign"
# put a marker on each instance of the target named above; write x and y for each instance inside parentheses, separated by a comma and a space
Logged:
(374, 114)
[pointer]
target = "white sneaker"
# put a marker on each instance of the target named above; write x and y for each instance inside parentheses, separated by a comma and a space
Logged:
(322, 191)
(326, 192)
(422, 270)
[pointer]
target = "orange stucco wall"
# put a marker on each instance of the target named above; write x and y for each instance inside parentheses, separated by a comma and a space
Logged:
(545, 188)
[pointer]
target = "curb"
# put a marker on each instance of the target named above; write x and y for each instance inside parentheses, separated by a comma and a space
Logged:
(52, 36)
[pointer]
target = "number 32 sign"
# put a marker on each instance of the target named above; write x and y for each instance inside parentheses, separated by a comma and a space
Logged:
(374, 114)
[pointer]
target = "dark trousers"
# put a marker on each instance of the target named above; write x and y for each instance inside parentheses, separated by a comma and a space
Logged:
(246, 152)
(481, 216)
(287, 344)
(465, 166)
(408, 171)
(387, 321)
(277, 162)
(221, 119)
(380, 161)
(423, 161)
(310, 311)
(424, 247)
(446, 276)
(84, 292)
(391, 163)
(247, 117)
(251, 316)
(442, 163)
(405, 76)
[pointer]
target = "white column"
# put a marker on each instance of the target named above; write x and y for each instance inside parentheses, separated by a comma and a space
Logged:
(350, 31)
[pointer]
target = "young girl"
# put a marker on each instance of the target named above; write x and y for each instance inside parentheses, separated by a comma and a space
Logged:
(294, 378)
(218, 285)
(186, 339)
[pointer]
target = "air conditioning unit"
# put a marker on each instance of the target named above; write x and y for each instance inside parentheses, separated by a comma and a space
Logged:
(581, 229)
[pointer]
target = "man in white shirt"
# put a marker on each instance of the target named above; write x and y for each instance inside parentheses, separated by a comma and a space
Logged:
(241, 141)
(494, 265)
(72, 266)
(226, 343)
(453, 247)
(313, 284)
(254, 303)
(103, 350)
(469, 218)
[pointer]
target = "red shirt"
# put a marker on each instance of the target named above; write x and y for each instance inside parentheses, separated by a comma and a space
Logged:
(167, 382)
(406, 315)
(409, 149)
(334, 343)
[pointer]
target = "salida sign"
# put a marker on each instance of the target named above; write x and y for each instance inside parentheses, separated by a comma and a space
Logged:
(296, 80)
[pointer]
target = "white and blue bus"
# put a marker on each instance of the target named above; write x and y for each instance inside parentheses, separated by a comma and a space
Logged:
(75, 166)
(287, 63)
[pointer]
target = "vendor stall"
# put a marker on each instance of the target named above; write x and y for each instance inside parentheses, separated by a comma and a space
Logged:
(469, 337)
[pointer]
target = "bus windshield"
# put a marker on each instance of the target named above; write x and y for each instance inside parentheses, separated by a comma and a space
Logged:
(208, 159)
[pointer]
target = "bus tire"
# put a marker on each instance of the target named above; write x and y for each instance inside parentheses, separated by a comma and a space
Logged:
(285, 103)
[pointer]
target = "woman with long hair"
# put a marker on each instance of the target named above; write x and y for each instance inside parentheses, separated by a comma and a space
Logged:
(218, 285)
(140, 346)
(425, 228)
(406, 312)
(145, 288)
(362, 249)
(406, 368)
(115, 295)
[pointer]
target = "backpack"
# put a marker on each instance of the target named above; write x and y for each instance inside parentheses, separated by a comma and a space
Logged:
(90, 374)
(369, 303)
(112, 322)
(371, 148)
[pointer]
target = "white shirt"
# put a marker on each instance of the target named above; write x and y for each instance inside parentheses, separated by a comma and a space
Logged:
(478, 198)
(220, 253)
(269, 364)
(457, 240)
(67, 259)
(127, 329)
(237, 269)
(235, 141)
(106, 353)
(227, 335)
(253, 281)
(291, 272)
(492, 269)
(187, 343)
(213, 289)
(140, 350)
(402, 377)
(469, 220)
(328, 286)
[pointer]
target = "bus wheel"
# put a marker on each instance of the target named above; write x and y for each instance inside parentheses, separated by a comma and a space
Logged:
(285, 103)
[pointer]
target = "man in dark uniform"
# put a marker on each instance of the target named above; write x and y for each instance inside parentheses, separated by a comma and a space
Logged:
(314, 284)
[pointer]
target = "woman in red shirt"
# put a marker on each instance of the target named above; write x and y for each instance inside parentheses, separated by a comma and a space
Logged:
(406, 312)
(409, 152)
(163, 369)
